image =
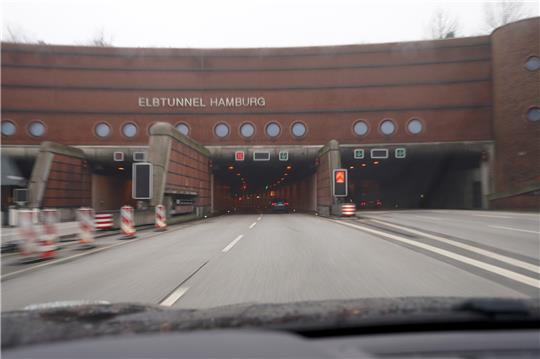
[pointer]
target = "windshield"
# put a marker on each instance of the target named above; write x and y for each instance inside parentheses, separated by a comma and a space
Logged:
(200, 154)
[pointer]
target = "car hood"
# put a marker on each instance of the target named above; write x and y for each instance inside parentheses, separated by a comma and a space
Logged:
(72, 320)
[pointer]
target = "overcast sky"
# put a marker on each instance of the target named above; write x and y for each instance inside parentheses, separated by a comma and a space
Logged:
(235, 23)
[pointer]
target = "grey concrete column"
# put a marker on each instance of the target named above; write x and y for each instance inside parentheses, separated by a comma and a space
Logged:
(159, 150)
(487, 175)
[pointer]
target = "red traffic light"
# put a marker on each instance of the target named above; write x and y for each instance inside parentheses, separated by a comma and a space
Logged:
(340, 176)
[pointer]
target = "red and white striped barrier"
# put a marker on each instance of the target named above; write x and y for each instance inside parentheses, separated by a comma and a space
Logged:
(49, 227)
(348, 209)
(127, 224)
(104, 220)
(161, 218)
(32, 248)
(86, 228)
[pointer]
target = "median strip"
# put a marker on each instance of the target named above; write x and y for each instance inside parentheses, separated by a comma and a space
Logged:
(499, 257)
(230, 245)
(473, 262)
(515, 229)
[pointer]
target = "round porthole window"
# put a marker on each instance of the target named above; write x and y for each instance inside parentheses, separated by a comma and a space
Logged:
(273, 129)
(183, 129)
(388, 127)
(36, 129)
(360, 128)
(129, 130)
(533, 63)
(247, 130)
(415, 126)
(533, 114)
(8, 128)
(221, 130)
(298, 129)
(103, 130)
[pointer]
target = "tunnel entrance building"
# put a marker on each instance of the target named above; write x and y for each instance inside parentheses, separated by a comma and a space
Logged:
(465, 110)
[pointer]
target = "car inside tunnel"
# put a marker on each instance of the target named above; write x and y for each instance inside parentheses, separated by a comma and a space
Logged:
(254, 186)
(428, 177)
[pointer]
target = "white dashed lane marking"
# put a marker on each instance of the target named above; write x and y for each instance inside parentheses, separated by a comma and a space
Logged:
(174, 296)
(230, 245)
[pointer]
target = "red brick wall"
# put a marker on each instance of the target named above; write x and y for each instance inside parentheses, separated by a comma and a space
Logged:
(69, 183)
(529, 201)
(517, 146)
(446, 83)
(189, 171)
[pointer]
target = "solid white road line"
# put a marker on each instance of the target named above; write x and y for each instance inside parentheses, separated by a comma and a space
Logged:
(514, 229)
(61, 260)
(499, 257)
(473, 262)
(230, 245)
(489, 215)
(174, 296)
(252, 225)
(426, 217)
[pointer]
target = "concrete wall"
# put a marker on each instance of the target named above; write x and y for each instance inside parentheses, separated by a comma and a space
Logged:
(180, 166)
(329, 159)
(111, 192)
(60, 178)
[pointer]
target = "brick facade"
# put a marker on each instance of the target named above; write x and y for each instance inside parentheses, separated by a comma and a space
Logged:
(69, 183)
(188, 172)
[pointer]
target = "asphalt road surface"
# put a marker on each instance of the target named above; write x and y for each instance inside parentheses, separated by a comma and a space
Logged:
(274, 258)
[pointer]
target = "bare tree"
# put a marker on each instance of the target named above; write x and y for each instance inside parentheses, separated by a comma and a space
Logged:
(14, 35)
(442, 25)
(503, 12)
(101, 40)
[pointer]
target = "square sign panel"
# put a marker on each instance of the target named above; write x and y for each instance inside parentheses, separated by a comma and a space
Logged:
(239, 155)
(283, 155)
(400, 152)
(359, 154)
(379, 153)
(261, 156)
(118, 156)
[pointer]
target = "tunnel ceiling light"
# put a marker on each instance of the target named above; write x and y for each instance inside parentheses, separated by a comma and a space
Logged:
(230, 168)
(363, 165)
(376, 162)
(285, 174)
(351, 167)
(238, 174)
(289, 167)
(120, 168)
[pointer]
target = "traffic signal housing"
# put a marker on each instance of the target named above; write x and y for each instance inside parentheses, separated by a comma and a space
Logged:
(340, 180)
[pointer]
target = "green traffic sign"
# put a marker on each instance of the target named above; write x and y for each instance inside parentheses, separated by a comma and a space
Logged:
(400, 153)
(359, 154)
(283, 155)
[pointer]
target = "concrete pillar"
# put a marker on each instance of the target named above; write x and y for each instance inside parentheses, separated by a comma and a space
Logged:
(486, 174)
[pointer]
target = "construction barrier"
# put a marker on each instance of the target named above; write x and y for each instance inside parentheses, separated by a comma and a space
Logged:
(85, 217)
(161, 218)
(348, 209)
(127, 224)
(104, 221)
(31, 247)
(49, 220)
